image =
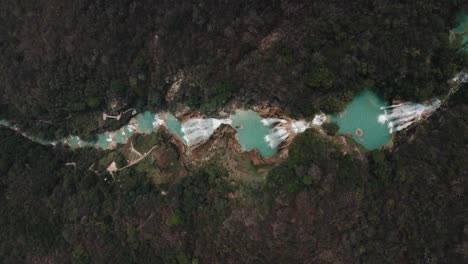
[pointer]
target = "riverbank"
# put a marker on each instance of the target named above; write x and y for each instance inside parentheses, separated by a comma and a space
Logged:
(262, 134)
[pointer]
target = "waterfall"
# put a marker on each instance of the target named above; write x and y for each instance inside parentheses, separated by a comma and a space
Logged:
(276, 136)
(461, 77)
(271, 121)
(401, 116)
(158, 121)
(319, 119)
(197, 131)
(299, 126)
(280, 130)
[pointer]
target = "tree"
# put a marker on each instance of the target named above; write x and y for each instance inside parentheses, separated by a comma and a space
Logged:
(331, 128)
(331, 104)
(319, 77)
(93, 102)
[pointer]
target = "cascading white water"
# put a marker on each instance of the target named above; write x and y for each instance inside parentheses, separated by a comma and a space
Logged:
(272, 121)
(197, 131)
(280, 130)
(276, 136)
(401, 116)
(319, 119)
(299, 126)
(158, 121)
(461, 77)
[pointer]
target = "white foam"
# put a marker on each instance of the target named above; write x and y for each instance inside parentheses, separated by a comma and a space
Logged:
(401, 116)
(299, 126)
(197, 131)
(382, 119)
(461, 77)
(272, 121)
(319, 119)
(158, 121)
(276, 136)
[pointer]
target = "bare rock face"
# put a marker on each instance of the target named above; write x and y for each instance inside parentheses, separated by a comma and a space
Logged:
(176, 83)
(266, 110)
(269, 40)
(190, 115)
(175, 140)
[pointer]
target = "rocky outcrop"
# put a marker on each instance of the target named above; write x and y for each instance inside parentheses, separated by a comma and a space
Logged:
(226, 135)
(190, 115)
(266, 110)
(175, 140)
(176, 83)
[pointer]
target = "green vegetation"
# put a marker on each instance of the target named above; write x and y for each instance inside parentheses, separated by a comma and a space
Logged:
(214, 98)
(143, 142)
(246, 48)
(319, 78)
(327, 203)
(80, 256)
(332, 104)
(311, 157)
(203, 197)
(93, 103)
(362, 204)
(118, 86)
(331, 128)
(226, 52)
(176, 218)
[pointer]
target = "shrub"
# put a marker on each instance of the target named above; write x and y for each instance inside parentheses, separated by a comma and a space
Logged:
(331, 104)
(117, 86)
(246, 48)
(80, 256)
(93, 103)
(319, 77)
(331, 128)
(176, 218)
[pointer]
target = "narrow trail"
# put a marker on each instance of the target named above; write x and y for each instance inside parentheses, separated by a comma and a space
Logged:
(139, 159)
(134, 151)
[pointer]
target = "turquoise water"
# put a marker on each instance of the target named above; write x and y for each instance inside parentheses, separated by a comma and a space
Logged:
(145, 122)
(42, 141)
(128, 131)
(174, 126)
(362, 113)
(85, 144)
(120, 137)
(251, 132)
(73, 141)
(4, 123)
(462, 29)
(102, 141)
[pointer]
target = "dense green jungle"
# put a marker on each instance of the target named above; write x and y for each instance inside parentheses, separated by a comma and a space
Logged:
(64, 63)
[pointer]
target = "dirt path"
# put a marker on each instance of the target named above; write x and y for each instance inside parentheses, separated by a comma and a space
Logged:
(139, 159)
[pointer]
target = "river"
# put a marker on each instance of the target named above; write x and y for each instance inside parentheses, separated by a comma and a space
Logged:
(360, 119)
(368, 118)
